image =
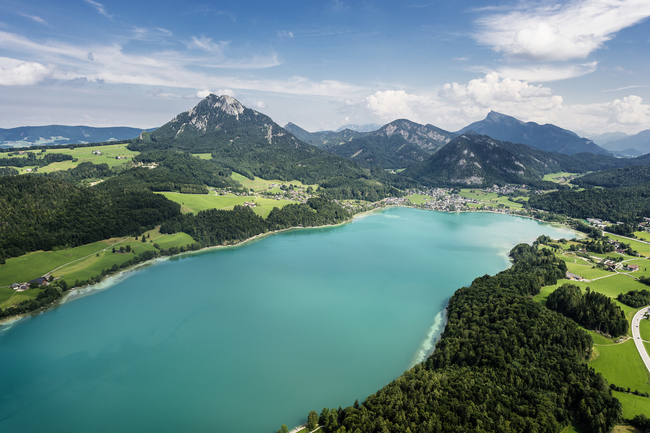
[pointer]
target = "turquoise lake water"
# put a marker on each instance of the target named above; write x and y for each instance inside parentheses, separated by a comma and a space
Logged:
(245, 339)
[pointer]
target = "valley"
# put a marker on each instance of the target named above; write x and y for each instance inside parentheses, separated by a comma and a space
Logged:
(221, 174)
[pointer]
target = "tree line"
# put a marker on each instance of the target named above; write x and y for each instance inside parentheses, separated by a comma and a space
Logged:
(504, 363)
(592, 310)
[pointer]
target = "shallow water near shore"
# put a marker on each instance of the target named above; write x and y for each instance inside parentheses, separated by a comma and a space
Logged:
(245, 339)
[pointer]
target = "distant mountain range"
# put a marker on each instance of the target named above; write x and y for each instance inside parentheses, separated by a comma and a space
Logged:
(59, 134)
(547, 137)
(369, 127)
(631, 145)
(478, 160)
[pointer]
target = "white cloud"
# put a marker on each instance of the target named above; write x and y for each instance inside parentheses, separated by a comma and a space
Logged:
(23, 74)
(397, 104)
(206, 44)
(34, 18)
(559, 31)
(261, 105)
(203, 93)
(100, 8)
(545, 73)
(113, 64)
(285, 34)
(627, 112)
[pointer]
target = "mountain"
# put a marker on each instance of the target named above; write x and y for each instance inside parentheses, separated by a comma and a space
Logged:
(479, 160)
(369, 127)
(398, 144)
(602, 139)
(323, 139)
(639, 143)
(547, 137)
(249, 142)
(59, 134)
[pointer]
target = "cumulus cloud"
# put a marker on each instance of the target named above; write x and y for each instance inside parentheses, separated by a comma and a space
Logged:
(456, 105)
(23, 74)
(559, 31)
(261, 105)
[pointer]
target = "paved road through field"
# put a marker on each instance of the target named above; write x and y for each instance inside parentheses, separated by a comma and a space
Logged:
(636, 334)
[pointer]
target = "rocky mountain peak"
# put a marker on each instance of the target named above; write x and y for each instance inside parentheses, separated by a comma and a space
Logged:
(225, 103)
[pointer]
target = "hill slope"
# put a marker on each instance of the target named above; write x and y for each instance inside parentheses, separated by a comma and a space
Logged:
(547, 137)
(639, 142)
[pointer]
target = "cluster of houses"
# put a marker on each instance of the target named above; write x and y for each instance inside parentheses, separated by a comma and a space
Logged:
(96, 152)
(21, 287)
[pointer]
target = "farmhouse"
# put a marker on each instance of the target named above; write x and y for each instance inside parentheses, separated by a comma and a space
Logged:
(632, 267)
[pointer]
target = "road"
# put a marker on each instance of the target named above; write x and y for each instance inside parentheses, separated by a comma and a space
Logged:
(636, 334)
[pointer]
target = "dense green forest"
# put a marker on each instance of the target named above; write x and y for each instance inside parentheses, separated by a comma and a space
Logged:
(615, 178)
(174, 171)
(612, 204)
(635, 298)
(40, 213)
(504, 363)
(217, 227)
(592, 310)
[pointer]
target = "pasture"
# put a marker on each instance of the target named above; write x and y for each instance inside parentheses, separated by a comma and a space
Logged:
(193, 203)
(109, 154)
(621, 364)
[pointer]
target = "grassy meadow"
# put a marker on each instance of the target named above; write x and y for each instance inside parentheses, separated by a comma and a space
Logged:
(193, 203)
(621, 364)
(633, 405)
(79, 263)
(419, 198)
(84, 154)
(644, 329)
(489, 199)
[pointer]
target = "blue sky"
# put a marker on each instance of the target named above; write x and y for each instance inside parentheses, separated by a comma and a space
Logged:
(582, 65)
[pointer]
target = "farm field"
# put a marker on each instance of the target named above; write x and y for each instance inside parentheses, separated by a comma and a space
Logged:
(203, 155)
(633, 405)
(587, 271)
(9, 296)
(262, 185)
(641, 247)
(418, 198)
(193, 203)
(490, 199)
(84, 154)
(621, 364)
(552, 177)
(80, 263)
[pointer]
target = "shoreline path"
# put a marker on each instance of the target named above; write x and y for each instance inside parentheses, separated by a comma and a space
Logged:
(636, 334)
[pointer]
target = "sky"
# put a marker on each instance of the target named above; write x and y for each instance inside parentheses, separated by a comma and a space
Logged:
(583, 65)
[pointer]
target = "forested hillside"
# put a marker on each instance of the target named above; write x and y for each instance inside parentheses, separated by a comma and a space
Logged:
(612, 204)
(504, 363)
(39, 213)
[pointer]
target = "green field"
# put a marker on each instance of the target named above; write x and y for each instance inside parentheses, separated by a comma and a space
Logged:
(203, 155)
(643, 236)
(193, 203)
(418, 198)
(633, 405)
(263, 185)
(587, 271)
(79, 263)
(84, 154)
(489, 199)
(641, 247)
(621, 364)
(644, 329)
(551, 177)
(9, 296)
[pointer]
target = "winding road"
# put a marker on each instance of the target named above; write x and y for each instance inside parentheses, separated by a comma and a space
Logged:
(636, 334)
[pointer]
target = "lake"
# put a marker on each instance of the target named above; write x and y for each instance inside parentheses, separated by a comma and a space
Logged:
(247, 338)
